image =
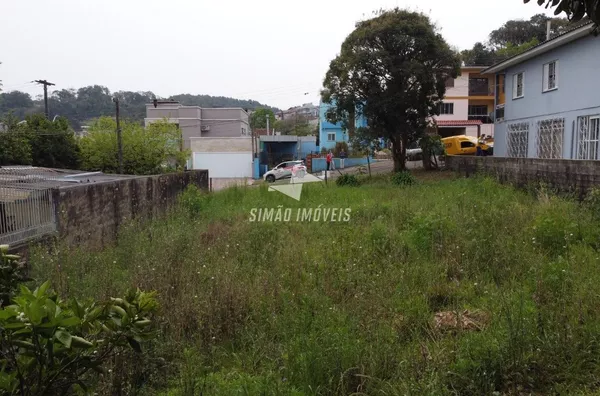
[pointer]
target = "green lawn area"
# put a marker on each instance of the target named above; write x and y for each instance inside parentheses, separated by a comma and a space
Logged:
(339, 308)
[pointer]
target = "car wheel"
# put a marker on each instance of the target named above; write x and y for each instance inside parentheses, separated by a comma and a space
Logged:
(270, 178)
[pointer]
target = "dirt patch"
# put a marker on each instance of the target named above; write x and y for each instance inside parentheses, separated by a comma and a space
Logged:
(465, 320)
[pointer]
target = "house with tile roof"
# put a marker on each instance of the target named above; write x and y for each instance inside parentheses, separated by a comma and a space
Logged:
(547, 99)
(468, 104)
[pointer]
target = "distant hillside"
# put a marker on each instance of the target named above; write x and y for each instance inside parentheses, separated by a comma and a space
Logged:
(95, 101)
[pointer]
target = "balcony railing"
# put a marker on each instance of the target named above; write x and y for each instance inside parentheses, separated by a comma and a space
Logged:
(480, 88)
(486, 119)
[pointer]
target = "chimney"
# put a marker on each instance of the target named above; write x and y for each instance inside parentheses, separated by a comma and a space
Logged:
(548, 27)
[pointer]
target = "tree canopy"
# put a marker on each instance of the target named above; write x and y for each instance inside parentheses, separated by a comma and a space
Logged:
(146, 151)
(258, 118)
(82, 105)
(392, 70)
(512, 38)
(39, 142)
(576, 10)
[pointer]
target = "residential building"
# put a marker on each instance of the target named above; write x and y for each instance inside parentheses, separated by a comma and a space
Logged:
(218, 138)
(547, 102)
(195, 121)
(468, 104)
(308, 111)
(329, 133)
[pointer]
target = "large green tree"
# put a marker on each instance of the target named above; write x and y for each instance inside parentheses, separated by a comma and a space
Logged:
(16, 102)
(576, 10)
(146, 151)
(392, 70)
(14, 148)
(52, 142)
(512, 38)
(258, 118)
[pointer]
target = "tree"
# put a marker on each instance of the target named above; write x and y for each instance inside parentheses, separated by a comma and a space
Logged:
(576, 10)
(52, 142)
(518, 32)
(15, 148)
(15, 102)
(392, 70)
(258, 118)
(512, 50)
(479, 55)
(145, 150)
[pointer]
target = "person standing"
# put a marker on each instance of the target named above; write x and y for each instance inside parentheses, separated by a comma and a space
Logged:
(329, 158)
(342, 158)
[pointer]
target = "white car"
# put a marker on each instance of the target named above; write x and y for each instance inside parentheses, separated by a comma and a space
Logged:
(285, 170)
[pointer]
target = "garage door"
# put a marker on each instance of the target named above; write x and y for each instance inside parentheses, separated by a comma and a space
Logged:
(224, 164)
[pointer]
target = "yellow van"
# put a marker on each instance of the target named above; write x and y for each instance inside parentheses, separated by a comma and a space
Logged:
(466, 145)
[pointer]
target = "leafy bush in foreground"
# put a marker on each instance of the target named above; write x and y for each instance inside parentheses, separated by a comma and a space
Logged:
(347, 180)
(11, 274)
(403, 178)
(50, 346)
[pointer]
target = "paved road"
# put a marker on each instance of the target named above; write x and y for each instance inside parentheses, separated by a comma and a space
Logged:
(382, 166)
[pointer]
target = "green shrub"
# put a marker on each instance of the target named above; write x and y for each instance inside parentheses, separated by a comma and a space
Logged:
(12, 273)
(347, 180)
(193, 199)
(49, 346)
(592, 201)
(403, 178)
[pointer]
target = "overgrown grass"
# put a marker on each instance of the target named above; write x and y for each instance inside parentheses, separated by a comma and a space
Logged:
(348, 307)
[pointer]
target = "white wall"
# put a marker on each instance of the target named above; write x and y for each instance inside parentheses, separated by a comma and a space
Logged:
(461, 86)
(461, 110)
(224, 165)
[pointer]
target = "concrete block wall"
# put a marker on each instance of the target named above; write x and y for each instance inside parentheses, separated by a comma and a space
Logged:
(90, 215)
(574, 176)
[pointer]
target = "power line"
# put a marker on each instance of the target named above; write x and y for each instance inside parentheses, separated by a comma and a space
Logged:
(45, 84)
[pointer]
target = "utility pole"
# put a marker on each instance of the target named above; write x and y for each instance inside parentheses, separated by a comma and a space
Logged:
(45, 84)
(119, 141)
(268, 130)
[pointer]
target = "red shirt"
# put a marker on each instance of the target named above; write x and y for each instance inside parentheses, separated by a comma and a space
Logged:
(329, 156)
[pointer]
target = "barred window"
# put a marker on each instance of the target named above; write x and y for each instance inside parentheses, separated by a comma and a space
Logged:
(588, 137)
(550, 138)
(517, 139)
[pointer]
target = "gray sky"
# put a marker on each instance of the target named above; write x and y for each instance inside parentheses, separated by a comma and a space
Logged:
(272, 51)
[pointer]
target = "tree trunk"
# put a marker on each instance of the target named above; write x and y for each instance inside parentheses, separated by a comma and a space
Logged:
(399, 153)
(426, 158)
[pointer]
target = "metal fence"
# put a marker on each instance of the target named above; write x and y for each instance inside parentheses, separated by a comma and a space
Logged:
(26, 205)
(549, 138)
(517, 140)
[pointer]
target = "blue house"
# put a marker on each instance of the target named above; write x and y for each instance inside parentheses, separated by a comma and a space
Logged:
(547, 99)
(330, 134)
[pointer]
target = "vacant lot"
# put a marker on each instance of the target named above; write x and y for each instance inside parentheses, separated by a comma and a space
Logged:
(350, 307)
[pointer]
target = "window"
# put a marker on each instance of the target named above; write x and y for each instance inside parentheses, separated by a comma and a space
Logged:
(243, 131)
(446, 108)
(550, 76)
(478, 110)
(450, 83)
(518, 88)
(500, 112)
(467, 144)
(517, 138)
(331, 137)
(550, 138)
(588, 137)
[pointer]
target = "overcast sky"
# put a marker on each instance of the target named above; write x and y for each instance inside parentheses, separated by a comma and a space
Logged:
(273, 51)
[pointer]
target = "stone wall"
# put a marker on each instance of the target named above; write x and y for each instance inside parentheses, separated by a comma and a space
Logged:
(574, 176)
(90, 215)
